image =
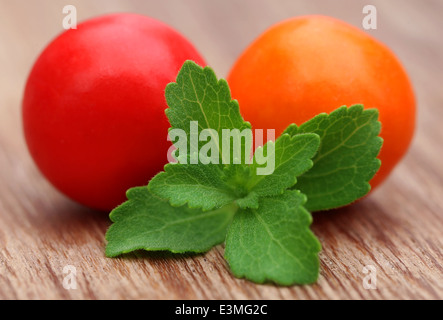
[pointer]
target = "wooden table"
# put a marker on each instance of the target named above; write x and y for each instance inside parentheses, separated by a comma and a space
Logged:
(398, 229)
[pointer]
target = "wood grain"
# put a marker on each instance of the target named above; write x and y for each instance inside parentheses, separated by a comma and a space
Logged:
(397, 229)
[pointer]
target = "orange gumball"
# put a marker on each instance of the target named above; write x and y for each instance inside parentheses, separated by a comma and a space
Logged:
(313, 64)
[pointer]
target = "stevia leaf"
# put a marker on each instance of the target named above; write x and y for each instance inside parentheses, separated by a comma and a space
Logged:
(197, 185)
(291, 158)
(346, 160)
(145, 222)
(199, 97)
(274, 243)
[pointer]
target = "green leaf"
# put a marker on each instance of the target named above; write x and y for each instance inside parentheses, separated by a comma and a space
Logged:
(198, 185)
(249, 201)
(237, 177)
(292, 158)
(148, 223)
(197, 95)
(273, 243)
(347, 157)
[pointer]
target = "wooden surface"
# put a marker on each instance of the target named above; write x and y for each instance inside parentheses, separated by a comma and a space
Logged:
(398, 229)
